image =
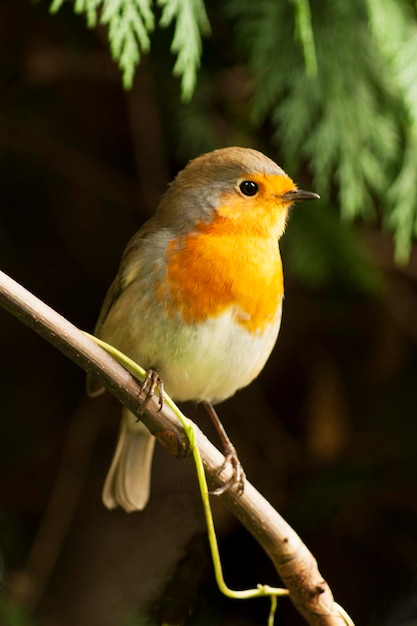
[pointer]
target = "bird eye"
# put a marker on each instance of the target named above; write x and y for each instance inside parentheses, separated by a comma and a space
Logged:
(248, 188)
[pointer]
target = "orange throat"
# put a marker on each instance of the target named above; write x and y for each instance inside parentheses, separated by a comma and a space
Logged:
(216, 269)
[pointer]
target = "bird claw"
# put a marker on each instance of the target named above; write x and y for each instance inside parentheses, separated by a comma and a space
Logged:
(238, 475)
(152, 381)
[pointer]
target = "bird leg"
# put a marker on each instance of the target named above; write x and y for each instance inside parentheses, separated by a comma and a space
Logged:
(151, 382)
(238, 475)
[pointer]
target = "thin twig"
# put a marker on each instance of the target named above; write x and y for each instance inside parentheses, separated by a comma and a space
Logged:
(294, 563)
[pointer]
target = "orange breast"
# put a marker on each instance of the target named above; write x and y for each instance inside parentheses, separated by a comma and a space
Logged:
(220, 266)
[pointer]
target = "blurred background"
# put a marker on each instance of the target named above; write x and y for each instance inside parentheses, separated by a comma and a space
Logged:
(328, 433)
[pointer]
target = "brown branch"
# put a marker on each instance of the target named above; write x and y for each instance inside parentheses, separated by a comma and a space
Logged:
(294, 563)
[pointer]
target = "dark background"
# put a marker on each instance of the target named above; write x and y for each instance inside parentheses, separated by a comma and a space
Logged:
(327, 433)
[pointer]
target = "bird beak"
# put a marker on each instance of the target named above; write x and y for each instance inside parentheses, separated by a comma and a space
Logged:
(299, 194)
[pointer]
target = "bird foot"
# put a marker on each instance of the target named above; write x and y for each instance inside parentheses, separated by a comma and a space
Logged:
(238, 476)
(152, 381)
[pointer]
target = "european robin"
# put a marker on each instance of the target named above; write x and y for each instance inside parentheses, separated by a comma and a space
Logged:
(198, 296)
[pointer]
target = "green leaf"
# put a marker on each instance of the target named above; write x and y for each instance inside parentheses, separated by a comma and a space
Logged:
(130, 23)
(304, 30)
(89, 7)
(191, 22)
(345, 124)
(394, 28)
(56, 5)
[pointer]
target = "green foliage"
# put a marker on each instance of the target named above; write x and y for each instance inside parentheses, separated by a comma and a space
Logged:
(344, 124)
(355, 125)
(337, 80)
(191, 21)
(304, 31)
(394, 29)
(130, 23)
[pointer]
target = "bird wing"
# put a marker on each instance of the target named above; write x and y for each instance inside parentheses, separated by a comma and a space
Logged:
(133, 264)
(123, 278)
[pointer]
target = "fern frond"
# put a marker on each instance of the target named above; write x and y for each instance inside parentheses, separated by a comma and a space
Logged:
(402, 217)
(56, 5)
(129, 23)
(343, 124)
(304, 30)
(191, 22)
(90, 8)
(394, 29)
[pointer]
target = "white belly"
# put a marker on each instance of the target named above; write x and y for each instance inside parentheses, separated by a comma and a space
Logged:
(224, 358)
(206, 361)
(215, 359)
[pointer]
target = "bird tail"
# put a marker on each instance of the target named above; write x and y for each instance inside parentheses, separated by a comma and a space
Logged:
(129, 479)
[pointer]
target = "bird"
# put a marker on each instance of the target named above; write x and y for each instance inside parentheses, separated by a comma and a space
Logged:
(197, 300)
